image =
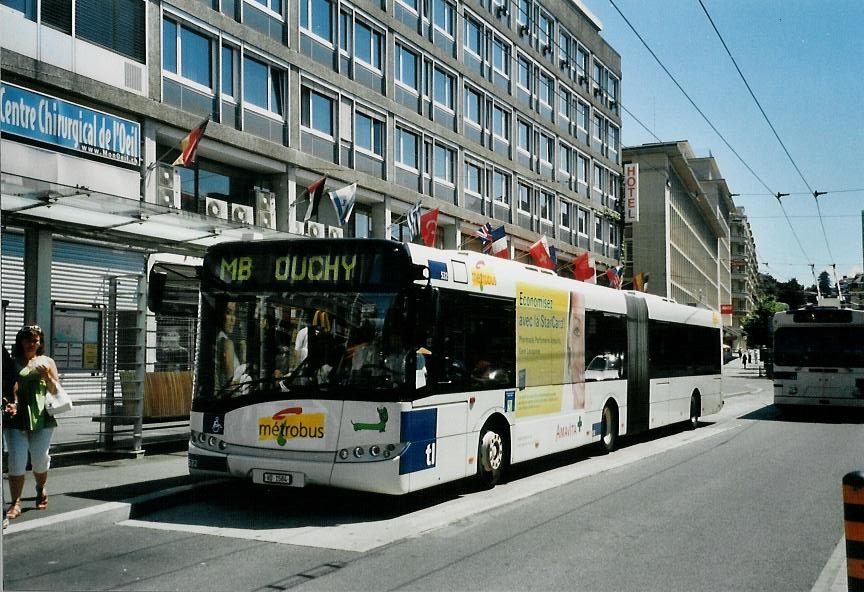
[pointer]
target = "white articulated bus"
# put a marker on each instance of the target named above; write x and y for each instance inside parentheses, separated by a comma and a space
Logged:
(819, 357)
(388, 367)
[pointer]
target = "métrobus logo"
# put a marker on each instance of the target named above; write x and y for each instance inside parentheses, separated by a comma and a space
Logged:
(291, 423)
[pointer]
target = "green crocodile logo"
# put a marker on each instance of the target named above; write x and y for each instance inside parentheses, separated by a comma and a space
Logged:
(372, 427)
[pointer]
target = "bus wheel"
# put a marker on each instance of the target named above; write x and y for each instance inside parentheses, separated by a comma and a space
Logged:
(609, 428)
(491, 455)
(695, 408)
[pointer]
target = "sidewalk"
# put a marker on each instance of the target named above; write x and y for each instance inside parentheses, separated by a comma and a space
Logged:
(96, 487)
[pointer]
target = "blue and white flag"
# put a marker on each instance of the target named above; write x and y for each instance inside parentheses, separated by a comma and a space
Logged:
(343, 200)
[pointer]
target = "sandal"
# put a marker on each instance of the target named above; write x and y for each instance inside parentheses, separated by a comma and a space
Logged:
(41, 499)
(14, 511)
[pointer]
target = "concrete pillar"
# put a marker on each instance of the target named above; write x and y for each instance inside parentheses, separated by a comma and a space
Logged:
(284, 201)
(38, 247)
(381, 219)
(150, 175)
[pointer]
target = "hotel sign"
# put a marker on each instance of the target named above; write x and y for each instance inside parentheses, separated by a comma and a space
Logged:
(631, 192)
(36, 116)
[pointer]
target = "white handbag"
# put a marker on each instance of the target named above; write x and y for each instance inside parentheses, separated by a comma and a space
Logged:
(59, 402)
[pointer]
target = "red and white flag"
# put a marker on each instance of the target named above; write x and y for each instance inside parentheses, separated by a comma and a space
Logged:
(540, 254)
(429, 227)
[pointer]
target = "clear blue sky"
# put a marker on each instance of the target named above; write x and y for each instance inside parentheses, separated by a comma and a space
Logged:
(804, 60)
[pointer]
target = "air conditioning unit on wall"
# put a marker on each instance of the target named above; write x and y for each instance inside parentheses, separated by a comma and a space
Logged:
(168, 186)
(241, 214)
(218, 208)
(265, 219)
(335, 232)
(265, 201)
(315, 229)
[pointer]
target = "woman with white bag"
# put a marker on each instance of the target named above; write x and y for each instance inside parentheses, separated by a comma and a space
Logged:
(31, 426)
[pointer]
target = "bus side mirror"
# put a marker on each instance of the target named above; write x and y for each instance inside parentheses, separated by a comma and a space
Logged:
(156, 290)
(421, 272)
(427, 302)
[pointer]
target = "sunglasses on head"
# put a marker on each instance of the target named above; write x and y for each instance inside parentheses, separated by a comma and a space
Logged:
(30, 329)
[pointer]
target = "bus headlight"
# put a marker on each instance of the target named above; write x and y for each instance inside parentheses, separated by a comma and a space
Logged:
(209, 442)
(372, 453)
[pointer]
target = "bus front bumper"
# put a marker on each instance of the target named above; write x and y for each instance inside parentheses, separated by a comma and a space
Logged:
(378, 477)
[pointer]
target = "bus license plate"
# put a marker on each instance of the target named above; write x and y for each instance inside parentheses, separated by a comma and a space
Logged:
(278, 478)
(284, 478)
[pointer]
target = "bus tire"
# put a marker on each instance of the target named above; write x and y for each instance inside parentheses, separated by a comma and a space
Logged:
(695, 410)
(492, 455)
(609, 427)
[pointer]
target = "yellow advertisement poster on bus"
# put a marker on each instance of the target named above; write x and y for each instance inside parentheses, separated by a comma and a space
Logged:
(541, 345)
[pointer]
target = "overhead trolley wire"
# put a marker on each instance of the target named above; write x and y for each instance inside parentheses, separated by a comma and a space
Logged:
(813, 192)
(778, 195)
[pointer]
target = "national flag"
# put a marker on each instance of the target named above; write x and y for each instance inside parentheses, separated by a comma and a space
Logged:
(314, 193)
(343, 200)
(615, 274)
(414, 221)
(539, 252)
(640, 282)
(582, 269)
(498, 246)
(485, 234)
(189, 144)
(429, 227)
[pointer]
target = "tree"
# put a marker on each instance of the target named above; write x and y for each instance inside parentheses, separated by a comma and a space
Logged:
(757, 324)
(767, 284)
(791, 293)
(825, 287)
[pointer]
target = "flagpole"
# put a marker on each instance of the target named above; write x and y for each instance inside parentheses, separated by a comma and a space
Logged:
(197, 179)
(470, 238)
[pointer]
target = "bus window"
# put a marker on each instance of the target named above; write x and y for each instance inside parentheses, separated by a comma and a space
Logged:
(605, 346)
(475, 343)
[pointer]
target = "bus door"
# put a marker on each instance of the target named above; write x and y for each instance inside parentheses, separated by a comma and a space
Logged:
(638, 389)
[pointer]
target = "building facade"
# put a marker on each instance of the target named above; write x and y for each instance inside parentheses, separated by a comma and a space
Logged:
(745, 269)
(681, 239)
(499, 112)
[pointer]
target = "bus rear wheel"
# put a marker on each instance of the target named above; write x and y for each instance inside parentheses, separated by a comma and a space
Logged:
(491, 456)
(609, 428)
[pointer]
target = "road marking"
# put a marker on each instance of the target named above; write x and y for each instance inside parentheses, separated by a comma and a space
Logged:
(108, 511)
(833, 576)
(363, 536)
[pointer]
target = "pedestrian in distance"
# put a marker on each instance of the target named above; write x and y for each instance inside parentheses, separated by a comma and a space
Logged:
(744, 357)
(31, 426)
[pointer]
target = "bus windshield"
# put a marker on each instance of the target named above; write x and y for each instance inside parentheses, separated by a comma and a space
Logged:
(824, 346)
(347, 345)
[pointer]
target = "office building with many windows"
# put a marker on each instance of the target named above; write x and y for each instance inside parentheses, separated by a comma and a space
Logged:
(682, 237)
(499, 111)
(745, 268)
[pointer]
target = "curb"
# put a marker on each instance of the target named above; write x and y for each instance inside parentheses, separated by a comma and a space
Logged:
(111, 512)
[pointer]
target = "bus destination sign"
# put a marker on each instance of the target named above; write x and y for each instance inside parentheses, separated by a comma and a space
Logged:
(289, 264)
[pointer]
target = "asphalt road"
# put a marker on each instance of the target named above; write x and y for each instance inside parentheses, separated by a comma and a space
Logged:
(749, 501)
